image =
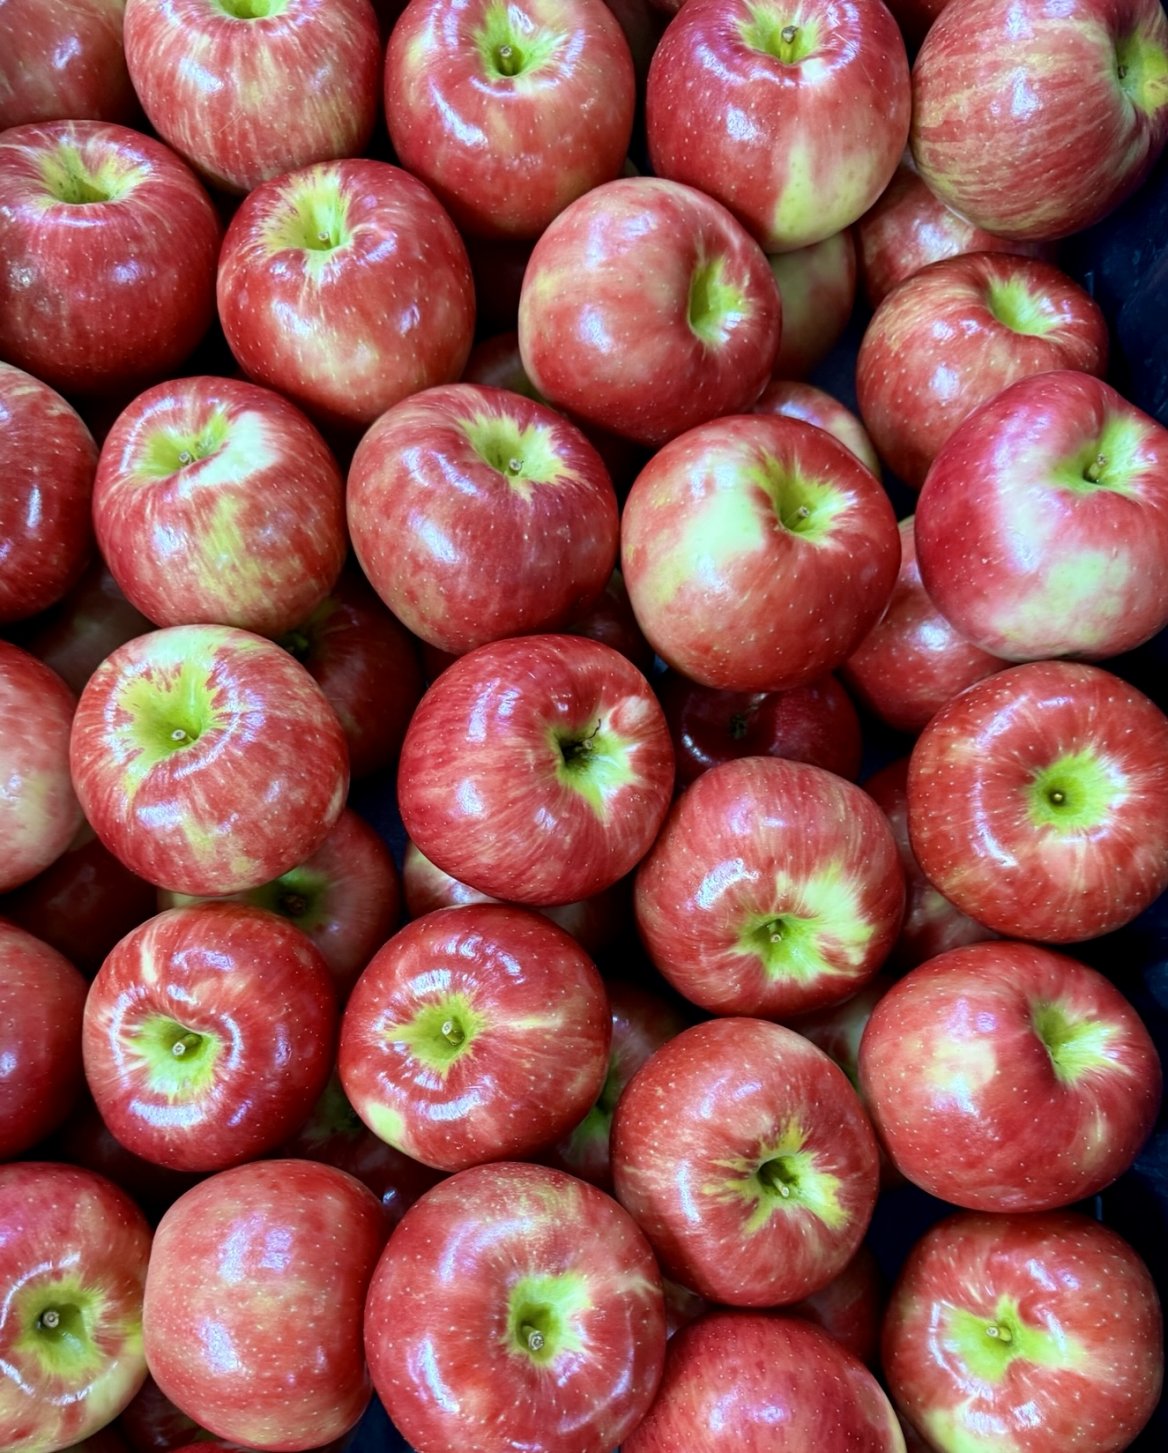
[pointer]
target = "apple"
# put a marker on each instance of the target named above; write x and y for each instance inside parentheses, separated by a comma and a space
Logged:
(42, 997)
(793, 116)
(957, 333)
(39, 812)
(252, 1316)
(932, 925)
(508, 113)
(1038, 802)
(100, 225)
(647, 309)
(745, 1156)
(818, 287)
(839, 1029)
(459, 489)
(1036, 121)
(849, 1308)
(214, 76)
(1066, 465)
(796, 400)
(758, 553)
(816, 723)
(86, 1140)
(537, 769)
(1024, 1334)
(48, 459)
(152, 1424)
(551, 1333)
(207, 760)
(73, 1253)
(346, 898)
(610, 620)
(477, 1033)
(764, 1384)
(908, 228)
(774, 888)
(912, 662)
(64, 62)
(93, 620)
(345, 287)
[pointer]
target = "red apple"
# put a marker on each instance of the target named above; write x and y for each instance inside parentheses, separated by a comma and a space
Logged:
(250, 89)
(795, 400)
(254, 1297)
(509, 112)
(816, 723)
(218, 503)
(207, 759)
(47, 459)
(42, 997)
(1038, 802)
(794, 117)
(1033, 120)
(647, 309)
(1004, 1077)
(1025, 1334)
(848, 1307)
(100, 226)
(758, 553)
(459, 491)
(818, 287)
(955, 334)
(552, 1328)
(746, 1158)
(1044, 527)
(610, 620)
(64, 62)
(477, 1033)
(912, 662)
(496, 362)
(73, 1253)
(38, 809)
(537, 770)
(86, 1140)
(765, 1384)
(93, 620)
(839, 1029)
(345, 287)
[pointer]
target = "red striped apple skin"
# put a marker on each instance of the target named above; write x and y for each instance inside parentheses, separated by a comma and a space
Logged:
(66, 61)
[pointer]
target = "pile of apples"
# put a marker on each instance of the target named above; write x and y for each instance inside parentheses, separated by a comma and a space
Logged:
(344, 358)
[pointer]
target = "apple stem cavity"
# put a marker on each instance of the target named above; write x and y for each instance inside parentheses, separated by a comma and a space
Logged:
(776, 1175)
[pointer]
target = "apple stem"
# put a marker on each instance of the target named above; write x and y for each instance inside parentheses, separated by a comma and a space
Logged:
(533, 1337)
(1121, 71)
(789, 39)
(188, 1042)
(185, 457)
(1094, 471)
(999, 1333)
(179, 735)
(507, 60)
(1056, 797)
(515, 466)
(50, 1319)
(773, 1175)
(453, 1032)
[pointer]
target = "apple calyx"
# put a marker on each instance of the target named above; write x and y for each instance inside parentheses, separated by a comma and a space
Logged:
(1073, 794)
(1018, 308)
(1076, 1046)
(441, 1032)
(507, 54)
(770, 33)
(716, 305)
(1141, 68)
(542, 1316)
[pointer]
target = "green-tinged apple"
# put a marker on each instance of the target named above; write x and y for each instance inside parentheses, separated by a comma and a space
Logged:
(818, 287)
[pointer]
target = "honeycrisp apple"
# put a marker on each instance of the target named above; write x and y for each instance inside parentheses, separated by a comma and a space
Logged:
(796, 400)
(94, 619)
(73, 1254)
(818, 287)
(207, 759)
(64, 62)
(849, 1307)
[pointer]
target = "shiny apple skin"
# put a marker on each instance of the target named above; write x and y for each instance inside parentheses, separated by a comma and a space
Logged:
(93, 620)
(968, 821)
(690, 1132)
(86, 1140)
(460, 545)
(66, 1234)
(764, 1384)
(39, 812)
(849, 1308)
(537, 1031)
(211, 83)
(188, 822)
(796, 149)
(257, 988)
(477, 781)
(940, 345)
(387, 312)
(727, 593)
(505, 154)
(1075, 1283)
(346, 898)
(912, 662)
(1020, 552)
(42, 998)
(604, 327)
(272, 1261)
(65, 61)
(762, 839)
(797, 400)
(73, 273)
(454, 1381)
(1058, 141)
(909, 227)
(47, 459)
(818, 287)
(973, 1103)
(816, 723)
(932, 925)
